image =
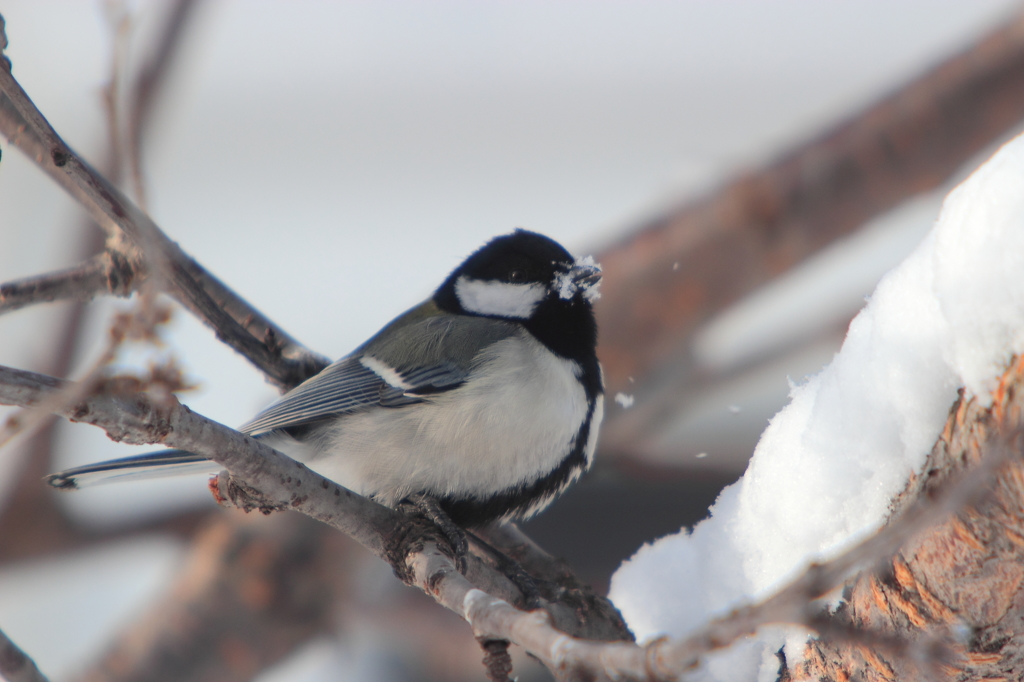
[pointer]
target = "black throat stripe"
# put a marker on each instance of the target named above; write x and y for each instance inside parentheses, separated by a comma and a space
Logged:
(470, 512)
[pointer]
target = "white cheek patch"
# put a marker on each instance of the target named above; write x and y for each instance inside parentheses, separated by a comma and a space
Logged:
(489, 297)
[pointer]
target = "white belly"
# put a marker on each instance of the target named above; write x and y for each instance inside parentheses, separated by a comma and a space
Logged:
(513, 423)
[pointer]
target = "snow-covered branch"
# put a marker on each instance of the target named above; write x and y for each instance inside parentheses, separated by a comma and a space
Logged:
(795, 603)
(960, 580)
(941, 328)
(692, 262)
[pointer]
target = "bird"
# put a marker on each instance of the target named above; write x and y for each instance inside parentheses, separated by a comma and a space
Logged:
(485, 400)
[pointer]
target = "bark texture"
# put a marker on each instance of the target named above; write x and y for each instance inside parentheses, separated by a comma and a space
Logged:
(962, 581)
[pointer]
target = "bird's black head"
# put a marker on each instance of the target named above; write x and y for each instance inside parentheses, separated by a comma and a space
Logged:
(528, 278)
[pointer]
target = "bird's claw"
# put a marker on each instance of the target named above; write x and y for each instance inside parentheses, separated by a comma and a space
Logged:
(456, 537)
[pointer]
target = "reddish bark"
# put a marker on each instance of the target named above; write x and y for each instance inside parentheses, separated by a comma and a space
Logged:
(962, 580)
(672, 274)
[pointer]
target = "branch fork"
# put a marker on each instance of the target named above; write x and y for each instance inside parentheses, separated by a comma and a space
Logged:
(262, 478)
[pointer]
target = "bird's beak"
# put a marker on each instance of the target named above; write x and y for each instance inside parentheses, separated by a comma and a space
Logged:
(586, 274)
(583, 277)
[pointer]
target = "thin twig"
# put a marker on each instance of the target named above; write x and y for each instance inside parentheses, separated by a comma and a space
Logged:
(150, 82)
(120, 27)
(33, 522)
(105, 273)
(126, 326)
(130, 231)
(5, 62)
(497, 662)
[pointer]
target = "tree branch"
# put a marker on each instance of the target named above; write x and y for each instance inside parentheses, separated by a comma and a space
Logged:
(135, 236)
(130, 232)
(257, 472)
(962, 579)
(105, 273)
(671, 274)
(15, 664)
(32, 522)
(483, 596)
(416, 553)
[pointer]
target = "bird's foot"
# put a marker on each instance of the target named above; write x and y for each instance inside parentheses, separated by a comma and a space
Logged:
(514, 571)
(456, 536)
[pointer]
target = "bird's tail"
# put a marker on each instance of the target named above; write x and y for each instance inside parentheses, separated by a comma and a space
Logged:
(150, 465)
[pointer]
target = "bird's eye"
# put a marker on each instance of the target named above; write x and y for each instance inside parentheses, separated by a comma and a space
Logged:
(515, 276)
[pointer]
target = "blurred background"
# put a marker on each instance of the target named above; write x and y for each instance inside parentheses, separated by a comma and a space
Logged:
(331, 162)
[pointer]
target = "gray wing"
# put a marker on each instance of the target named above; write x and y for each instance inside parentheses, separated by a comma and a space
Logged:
(402, 365)
(344, 386)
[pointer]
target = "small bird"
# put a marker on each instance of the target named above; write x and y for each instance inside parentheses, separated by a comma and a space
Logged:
(485, 399)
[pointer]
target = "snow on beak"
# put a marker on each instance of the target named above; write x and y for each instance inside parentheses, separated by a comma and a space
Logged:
(584, 277)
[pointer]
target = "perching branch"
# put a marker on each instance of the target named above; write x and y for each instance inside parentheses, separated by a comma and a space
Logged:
(283, 483)
(15, 664)
(483, 596)
(257, 472)
(128, 227)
